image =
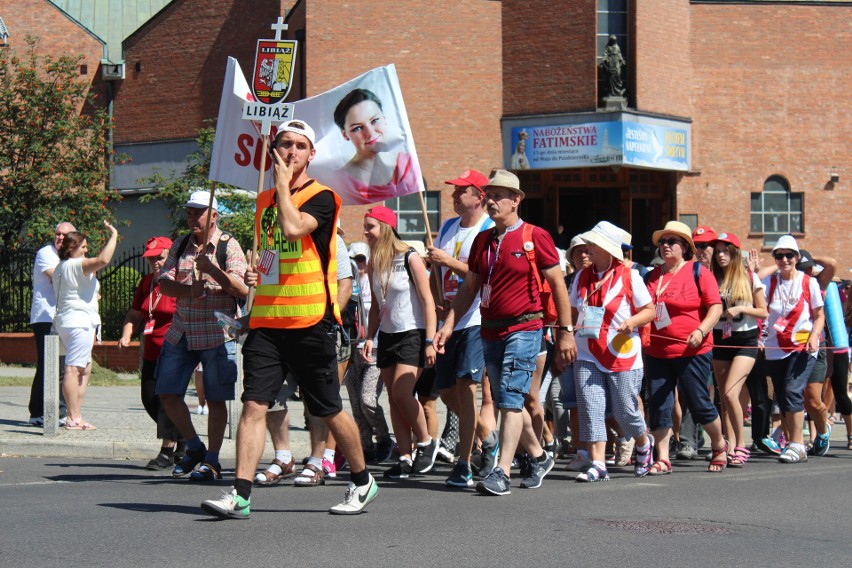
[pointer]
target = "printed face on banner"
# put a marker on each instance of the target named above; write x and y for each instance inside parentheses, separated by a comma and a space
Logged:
(273, 70)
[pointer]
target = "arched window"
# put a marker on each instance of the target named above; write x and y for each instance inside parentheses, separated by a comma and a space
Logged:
(777, 211)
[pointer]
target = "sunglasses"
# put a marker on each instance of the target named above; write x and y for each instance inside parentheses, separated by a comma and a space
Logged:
(701, 246)
(787, 255)
(671, 241)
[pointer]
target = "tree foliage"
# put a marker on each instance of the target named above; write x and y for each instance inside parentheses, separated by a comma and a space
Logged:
(54, 158)
(236, 206)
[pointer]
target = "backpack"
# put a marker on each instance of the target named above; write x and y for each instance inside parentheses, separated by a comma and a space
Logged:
(221, 258)
(352, 315)
(544, 291)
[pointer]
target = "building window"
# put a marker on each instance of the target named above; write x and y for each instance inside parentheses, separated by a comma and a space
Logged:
(410, 224)
(777, 211)
(4, 34)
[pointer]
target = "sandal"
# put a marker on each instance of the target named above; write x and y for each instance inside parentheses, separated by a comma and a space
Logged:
(661, 467)
(642, 460)
(849, 442)
(269, 478)
(717, 461)
(793, 454)
(311, 476)
(207, 472)
(79, 424)
(738, 457)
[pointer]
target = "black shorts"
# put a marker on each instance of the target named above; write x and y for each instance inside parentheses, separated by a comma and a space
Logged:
(405, 347)
(426, 386)
(310, 354)
(740, 344)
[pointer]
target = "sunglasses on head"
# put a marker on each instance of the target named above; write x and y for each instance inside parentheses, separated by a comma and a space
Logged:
(671, 241)
(787, 255)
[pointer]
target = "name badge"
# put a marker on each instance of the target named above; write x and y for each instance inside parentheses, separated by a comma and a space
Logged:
(149, 327)
(451, 285)
(485, 296)
(268, 265)
(727, 328)
(780, 324)
(661, 317)
(591, 322)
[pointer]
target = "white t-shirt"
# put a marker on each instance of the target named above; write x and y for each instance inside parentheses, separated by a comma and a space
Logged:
(43, 306)
(783, 302)
(399, 304)
(747, 323)
(76, 295)
(456, 241)
(616, 351)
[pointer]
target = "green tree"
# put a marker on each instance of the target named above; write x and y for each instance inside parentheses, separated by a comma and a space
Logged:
(54, 157)
(236, 206)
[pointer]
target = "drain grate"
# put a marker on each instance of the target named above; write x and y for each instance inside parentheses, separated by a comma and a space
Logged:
(663, 527)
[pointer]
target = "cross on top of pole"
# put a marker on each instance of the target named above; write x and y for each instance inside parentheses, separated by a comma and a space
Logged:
(279, 27)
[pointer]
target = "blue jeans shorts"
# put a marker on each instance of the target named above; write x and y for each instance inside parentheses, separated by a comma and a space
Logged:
(510, 363)
(462, 358)
(177, 362)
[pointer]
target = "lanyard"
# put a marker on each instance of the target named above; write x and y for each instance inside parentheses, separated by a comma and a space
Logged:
(492, 263)
(785, 298)
(661, 289)
(152, 303)
(598, 285)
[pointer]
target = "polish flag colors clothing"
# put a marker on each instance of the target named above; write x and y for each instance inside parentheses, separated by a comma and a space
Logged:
(790, 305)
(610, 351)
(685, 302)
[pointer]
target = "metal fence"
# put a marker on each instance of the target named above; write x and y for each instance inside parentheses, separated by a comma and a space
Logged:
(118, 283)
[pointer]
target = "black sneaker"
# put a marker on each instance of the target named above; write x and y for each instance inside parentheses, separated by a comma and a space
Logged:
(400, 470)
(189, 462)
(538, 469)
(489, 458)
(425, 459)
(496, 483)
(461, 476)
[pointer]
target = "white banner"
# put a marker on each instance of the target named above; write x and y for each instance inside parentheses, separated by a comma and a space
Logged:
(365, 149)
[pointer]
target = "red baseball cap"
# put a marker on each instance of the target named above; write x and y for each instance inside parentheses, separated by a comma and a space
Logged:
(383, 214)
(468, 178)
(156, 245)
(729, 238)
(703, 234)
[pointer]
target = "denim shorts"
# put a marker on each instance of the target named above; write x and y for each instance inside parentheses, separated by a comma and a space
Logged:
(789, 378)
(687, 374)
(177, 363)
(510, 363)
(569, 390)
(462, 358)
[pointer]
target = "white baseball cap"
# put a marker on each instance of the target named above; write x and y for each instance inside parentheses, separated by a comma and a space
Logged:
(298, 127)
(201, 200)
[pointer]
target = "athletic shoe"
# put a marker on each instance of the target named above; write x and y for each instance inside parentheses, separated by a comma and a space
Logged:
(461, 476)
(384, 450)
(228, 506)
(495, 483)
(821, 443)
(552, 449)
(538, 469)
(489, 458)
(769, 446)
(329, 469)
(593, 474)
(162, 461)
(37, 421)
(400, 470)
(686, 452)
(189, 461)
(425, 459)
(581, 462)
(356, 498)
(445, 455)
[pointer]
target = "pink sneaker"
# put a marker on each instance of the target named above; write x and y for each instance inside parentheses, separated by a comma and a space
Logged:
(329, 468)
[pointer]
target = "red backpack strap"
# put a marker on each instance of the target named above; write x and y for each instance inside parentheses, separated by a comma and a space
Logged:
(527, 238)
(627, 284)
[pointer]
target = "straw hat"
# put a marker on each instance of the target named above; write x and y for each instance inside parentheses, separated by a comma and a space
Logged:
(607, 236)
(675, 228)
(505, 179)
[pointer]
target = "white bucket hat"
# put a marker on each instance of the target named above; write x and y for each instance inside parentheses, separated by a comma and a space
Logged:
(607, 236)
(786, 242)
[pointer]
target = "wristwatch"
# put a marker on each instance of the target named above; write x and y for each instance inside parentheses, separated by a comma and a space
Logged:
(568, 328)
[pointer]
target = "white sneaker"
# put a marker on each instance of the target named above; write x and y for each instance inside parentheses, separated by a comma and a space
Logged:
(356, 498)
(581, 462)
(228, 506)
(202, 410)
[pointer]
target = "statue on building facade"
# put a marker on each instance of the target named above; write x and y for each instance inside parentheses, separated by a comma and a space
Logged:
(612, 65)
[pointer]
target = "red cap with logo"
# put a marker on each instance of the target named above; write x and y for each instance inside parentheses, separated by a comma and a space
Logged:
(156, 245)
(703, 234)
(729, 238)
(468, 178)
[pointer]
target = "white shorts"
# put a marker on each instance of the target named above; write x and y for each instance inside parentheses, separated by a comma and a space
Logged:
(78, 343)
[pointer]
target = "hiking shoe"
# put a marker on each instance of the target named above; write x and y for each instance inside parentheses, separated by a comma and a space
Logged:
(329, 468)
(461, 476)
(189, 462)
(207, 472)
(425, 459)
(821, 443)
(495, 483)
(161, 462)
(400, 470)
(593, 474)
(384, 450)
(228, 506)
(489, 458)
(581, 462)
(538, 469)
(356, 498)
(644, 460)
(769, 446)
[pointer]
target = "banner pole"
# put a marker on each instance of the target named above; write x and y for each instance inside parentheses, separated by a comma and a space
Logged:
(425, 219)
(209, 222)
(254, 245)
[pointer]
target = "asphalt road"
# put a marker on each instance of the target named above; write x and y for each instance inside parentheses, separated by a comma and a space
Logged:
(67, 512)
